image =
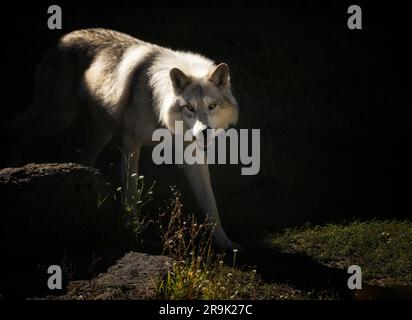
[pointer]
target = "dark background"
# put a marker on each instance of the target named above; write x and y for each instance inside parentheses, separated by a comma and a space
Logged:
(332, 103)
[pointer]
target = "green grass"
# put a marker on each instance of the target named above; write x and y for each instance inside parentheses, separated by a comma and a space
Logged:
(383, 249)
(217, 281)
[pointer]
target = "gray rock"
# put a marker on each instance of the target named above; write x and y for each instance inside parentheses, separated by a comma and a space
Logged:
(135, 276)
(47, 208)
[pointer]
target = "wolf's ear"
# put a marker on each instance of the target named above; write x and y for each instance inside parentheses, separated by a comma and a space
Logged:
(220, 76)
(179, 80)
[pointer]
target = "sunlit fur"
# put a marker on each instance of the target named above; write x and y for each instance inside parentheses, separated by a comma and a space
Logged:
(200, 93)
(125, 87)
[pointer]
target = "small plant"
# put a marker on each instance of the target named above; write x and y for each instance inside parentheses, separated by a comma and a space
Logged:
(181, 235)
(134, 197)
(133, 210)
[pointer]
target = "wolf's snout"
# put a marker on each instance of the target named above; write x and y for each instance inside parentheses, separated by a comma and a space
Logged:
(198, 128)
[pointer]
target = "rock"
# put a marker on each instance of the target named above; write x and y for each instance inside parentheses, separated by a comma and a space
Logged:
(135, 276)
(47, 208)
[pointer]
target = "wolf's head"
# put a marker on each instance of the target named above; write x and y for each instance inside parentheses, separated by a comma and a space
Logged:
(203, 103)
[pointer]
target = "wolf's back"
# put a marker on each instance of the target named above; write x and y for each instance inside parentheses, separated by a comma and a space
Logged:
(89, 42)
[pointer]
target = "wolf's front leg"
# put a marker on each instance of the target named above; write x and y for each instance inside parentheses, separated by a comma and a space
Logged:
(199, 178)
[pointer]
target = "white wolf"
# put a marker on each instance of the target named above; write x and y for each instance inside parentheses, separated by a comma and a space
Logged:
(129, 88)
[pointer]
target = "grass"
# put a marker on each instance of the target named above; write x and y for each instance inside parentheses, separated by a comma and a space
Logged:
(383, 249)
(217, 281)
(198, 273)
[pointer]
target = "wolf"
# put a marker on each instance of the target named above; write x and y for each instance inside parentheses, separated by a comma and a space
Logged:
(128, 88)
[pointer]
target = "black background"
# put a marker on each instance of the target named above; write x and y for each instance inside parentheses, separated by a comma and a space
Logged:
(332, 103)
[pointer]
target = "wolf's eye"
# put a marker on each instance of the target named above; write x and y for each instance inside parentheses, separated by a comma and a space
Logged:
(212, 106)
(189, 107)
